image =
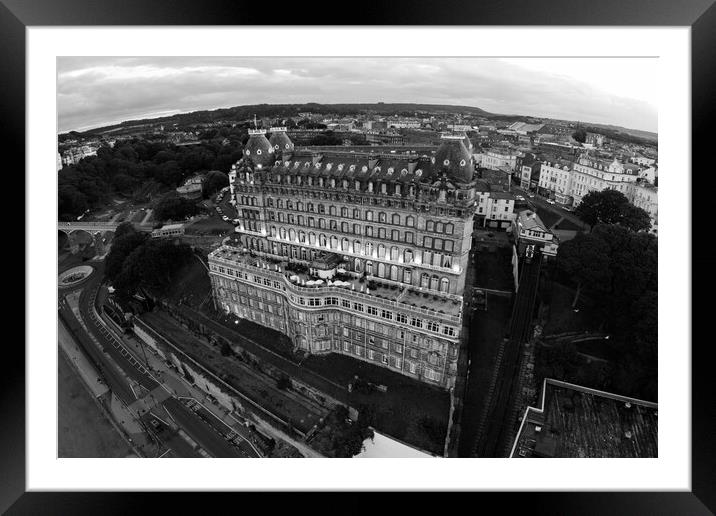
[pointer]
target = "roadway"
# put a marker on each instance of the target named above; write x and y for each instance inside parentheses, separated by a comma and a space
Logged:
(499, 420)
(114, 361)
(538, 200)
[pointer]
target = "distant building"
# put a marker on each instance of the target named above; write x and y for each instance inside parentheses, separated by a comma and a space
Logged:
(594, 174)
(497, 157)
(555, 180)
(169, 230)
(495, 209)
(646, 197)
(578, 422)
(384, 138)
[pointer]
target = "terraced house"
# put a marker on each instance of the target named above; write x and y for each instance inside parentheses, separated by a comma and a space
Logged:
(357, 253)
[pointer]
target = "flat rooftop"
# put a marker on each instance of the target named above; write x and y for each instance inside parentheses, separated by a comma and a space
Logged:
(576, 421)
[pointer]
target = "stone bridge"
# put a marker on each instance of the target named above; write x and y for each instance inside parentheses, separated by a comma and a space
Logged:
(95, 230)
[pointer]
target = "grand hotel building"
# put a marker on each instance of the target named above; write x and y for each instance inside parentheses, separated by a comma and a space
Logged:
(357, 253)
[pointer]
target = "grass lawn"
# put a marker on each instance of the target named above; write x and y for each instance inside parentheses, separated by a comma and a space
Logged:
(82, 428)
(213, 225)
(549, 217)
(568, 225)
(493, 270)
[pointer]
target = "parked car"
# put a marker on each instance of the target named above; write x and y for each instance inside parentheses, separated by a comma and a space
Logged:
(530, 195)
(550, 201)
(519, 198)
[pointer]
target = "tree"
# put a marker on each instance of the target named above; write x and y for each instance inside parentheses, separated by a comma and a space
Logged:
(585, 259)
(635, 218)
(213, 182)
(580, 135)
(612, 207)
(173, 207)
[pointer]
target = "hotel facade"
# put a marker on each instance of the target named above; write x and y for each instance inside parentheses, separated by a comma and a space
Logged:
(356, 253)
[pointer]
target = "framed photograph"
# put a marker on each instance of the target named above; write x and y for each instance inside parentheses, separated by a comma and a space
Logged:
(433, 233)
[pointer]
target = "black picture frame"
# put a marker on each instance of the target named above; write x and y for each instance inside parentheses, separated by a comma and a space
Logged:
(700, 15)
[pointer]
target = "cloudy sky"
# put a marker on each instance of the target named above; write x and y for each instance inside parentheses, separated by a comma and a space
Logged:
(96, 91)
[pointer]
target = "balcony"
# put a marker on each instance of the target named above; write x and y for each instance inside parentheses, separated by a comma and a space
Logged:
(298, 279)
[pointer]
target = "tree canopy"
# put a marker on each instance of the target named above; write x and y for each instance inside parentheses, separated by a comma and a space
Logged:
(135, 261)
(173, 207)
(612, 207)
(580, 135)
(213, 182)
(128, 166)
(617, 269)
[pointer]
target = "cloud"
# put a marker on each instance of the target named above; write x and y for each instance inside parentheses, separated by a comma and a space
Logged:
(96, 91)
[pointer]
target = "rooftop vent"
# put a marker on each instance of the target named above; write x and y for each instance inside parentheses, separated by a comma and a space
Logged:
(627, 434)
(538, 429)
(627, 405)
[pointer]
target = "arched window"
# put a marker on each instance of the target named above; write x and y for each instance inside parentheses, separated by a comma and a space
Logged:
(344, 244)
(334, 242)
(444, 285)
(430, 226)
(407, 256)
(395, 218)
(312, 238)
(381, 251)
(434, 283)
(369, 268)
(424, 280)
(282, 232)
(273, 231)
(448, 229)
(368, 249)
(410, 221)
(369, 215)
(345, 184)
(344, 212)
(322, 240)
(358, 265)
(292, 234)
(394, 253)
(356, 213)
(395, 235)
(382, 217)
(356, 247)
(381, 270)
(344, 227)
(394, 272)
(302, 237)
(332, 210)
(407, 276)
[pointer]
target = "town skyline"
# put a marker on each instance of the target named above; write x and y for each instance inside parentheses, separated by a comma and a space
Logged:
(125, 89)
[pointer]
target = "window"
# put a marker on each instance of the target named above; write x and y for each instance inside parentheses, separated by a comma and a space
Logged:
(401, 318)
(345, 303)
(395, 235)
(410, 221)
(427, 242)
(372, 310)
(414, 321)
(433, 326)
(386, 314)
(409, 237)
(430, 226)
(358, 307)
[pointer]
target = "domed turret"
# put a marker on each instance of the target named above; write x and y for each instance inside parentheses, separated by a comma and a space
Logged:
(258, 149)
(281, 143)
(453, 159)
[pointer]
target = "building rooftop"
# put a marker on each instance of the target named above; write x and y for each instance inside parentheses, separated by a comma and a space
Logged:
(575, 421)
(530, 220)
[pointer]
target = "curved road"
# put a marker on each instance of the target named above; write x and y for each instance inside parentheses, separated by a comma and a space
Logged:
(207, 436)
